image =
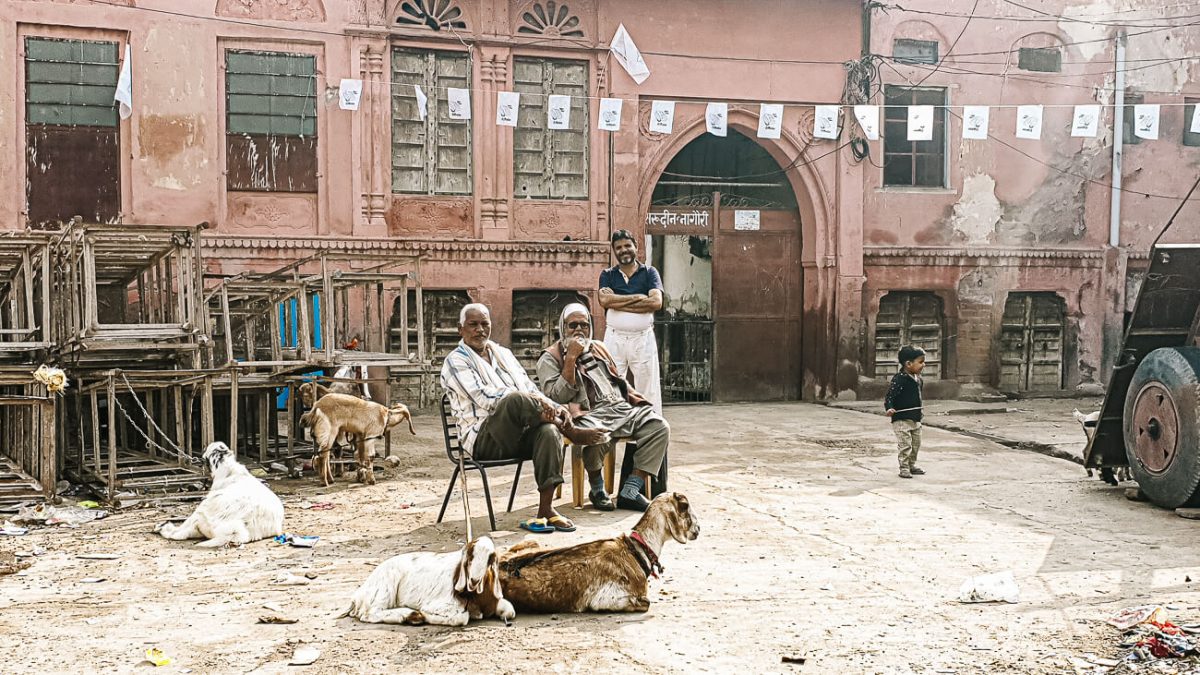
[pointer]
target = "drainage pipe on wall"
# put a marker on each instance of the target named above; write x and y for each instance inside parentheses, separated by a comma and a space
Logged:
(1114, 216)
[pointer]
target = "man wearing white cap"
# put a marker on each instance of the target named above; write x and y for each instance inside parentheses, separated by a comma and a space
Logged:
(579, 372)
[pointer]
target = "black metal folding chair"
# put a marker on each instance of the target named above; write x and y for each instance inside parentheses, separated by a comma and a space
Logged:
(454, 449)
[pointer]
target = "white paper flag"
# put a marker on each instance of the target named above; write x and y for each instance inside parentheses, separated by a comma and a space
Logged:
(662, 117)
(349, 93)
(715, 118)
(975, 122)
(628, 55)
(1195, 127)
(825, 122)
(1086, 121)
(124, 93)
(1029, 121)
(422, 102)
(508, 105)
(1145, 119)
(770, 120)
(558, 112)
(920, 123)
(868, 120)
(459, 103)
(610, 115)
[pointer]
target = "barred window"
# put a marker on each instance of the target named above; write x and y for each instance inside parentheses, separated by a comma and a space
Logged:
(431, 155)
(913, 163)
(550, 163)
(271, 121)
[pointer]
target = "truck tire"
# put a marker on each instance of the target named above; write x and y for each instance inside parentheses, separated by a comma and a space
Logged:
(1162, 426)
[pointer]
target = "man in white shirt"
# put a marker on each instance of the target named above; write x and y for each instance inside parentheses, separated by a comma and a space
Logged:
(632, 292)
(501, 414)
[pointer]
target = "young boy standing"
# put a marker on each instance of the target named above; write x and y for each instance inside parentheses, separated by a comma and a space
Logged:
(903, 404)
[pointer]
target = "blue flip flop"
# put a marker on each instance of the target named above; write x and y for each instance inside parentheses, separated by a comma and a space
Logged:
(537, 526)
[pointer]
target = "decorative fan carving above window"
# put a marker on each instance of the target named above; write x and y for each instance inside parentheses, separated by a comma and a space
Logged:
(434, 14)
(550, 18)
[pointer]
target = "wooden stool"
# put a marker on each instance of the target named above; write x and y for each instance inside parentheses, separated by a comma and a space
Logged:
(579, 474)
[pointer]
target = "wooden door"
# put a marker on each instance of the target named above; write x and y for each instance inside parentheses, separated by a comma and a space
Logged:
(1031, 342)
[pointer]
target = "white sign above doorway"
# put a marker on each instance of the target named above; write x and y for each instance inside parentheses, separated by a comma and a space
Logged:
(745, 220)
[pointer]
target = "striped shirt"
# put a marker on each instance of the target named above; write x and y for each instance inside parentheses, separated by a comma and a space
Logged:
(476, 386)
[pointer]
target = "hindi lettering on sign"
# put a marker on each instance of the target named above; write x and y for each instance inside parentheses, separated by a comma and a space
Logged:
(685, 219)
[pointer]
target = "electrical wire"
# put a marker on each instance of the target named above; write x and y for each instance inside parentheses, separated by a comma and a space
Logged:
(1047, 17)
(951, 49)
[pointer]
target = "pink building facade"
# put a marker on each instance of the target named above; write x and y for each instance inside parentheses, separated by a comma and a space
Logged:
(997, 259)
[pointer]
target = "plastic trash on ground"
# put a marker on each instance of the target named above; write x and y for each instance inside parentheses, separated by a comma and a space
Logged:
(1132, 616)
(999, 587)
(157, 657)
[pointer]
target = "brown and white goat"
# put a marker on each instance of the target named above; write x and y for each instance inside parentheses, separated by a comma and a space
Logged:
(608, 575)
(336, 414)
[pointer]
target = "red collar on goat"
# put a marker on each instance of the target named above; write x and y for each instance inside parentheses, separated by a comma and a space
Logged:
(651, 566)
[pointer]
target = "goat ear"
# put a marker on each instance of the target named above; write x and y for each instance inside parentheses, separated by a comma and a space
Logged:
(681, 502)
(462, 574)
(494, 566)
(482, 557)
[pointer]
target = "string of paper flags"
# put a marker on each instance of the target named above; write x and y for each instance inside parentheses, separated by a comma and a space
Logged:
(1085, 120)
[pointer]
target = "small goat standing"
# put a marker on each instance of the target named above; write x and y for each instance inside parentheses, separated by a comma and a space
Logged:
(446, 589)
(336, 414)
(238, 508)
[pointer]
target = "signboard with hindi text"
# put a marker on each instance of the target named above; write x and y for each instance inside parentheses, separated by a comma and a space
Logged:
(679, 221)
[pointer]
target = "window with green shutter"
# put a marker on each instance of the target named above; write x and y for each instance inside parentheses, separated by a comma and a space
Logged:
(271, 121)
(550, 163)
(430, 156)
(72, 132)
(70, 82)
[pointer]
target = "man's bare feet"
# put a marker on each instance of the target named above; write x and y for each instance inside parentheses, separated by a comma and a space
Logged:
(582, 436)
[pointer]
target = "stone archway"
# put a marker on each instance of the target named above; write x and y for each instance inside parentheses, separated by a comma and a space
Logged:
(773, 285)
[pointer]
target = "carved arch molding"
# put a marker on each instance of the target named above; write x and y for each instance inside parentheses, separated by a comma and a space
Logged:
(311, 11)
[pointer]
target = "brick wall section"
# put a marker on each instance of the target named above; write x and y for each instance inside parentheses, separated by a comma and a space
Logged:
(974, 342)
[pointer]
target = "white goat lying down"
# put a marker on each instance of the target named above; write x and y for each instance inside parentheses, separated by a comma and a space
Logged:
(445, 589)
(238, 508)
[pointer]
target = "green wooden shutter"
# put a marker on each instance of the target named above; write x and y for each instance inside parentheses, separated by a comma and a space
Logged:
(431, 156)
(70, 82)
(550, 163)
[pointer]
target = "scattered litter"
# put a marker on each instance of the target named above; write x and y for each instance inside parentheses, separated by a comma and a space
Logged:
(289, 579)
(303, 656)
(11, 530)
(58, 515)
(278, 468)
(91, 622)
(157, 657)
(1132, 616)
(273, 607)
(89, 504)
(258, 472)
(36, 550)
(276, 619)
(310, 575)
(92, 580)
(297, 540)
(798, 660)
(98, 556)
(1000, 587)
(10, 565)
(321, 506)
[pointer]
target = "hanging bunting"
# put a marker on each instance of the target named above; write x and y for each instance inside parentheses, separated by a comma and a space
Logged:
(868, 120)
(1145, 118)
(124, 93)
(715, 118)
(349, 94)
(825, 122)
(558, 112)
(422, 102)
(459, 101)
(1029, 121)
(508, 107)
(627, 53)
(1086, 121)
(610, 114)
(662, 117)
(975, 122)
(1195, 126)
(770, 120)
(920, 123)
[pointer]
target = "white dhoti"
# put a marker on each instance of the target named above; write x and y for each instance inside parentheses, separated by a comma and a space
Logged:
(636, 352)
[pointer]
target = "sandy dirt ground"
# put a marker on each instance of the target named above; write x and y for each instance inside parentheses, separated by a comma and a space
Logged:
(811, 547)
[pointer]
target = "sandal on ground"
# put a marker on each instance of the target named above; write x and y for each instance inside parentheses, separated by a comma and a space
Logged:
(561, 524)
(536, 525)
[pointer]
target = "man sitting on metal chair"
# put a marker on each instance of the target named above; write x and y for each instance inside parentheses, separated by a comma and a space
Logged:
(501, 414)
(580, 372)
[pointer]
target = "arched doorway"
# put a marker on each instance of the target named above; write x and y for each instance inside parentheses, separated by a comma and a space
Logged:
(724, 230)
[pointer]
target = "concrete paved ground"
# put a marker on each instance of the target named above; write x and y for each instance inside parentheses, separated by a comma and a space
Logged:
(811, 547)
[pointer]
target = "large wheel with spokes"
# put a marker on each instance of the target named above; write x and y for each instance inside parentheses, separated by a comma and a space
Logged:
(1162, 426)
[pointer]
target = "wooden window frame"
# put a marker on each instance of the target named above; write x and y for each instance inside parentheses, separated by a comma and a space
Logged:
(899, 148)
(916, 44)
(297, 149)
(1128, 123)
(1032, 59)
(885, 366)
(434, 128)
(532, 120)
(1189, 139)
